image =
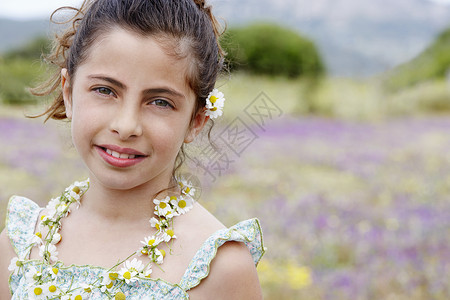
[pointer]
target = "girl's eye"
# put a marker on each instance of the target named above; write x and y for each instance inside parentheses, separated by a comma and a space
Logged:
(161, 103)
(104, 91)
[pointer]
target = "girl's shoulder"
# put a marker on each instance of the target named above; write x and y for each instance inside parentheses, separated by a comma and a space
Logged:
(21, 218)
(225, 261)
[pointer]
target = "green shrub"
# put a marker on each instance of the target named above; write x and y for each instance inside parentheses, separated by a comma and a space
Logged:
(19, 69)
(16, 75)
(270, 49)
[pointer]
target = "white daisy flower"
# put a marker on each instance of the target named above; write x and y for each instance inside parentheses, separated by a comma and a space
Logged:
(37, 239)
(162, 207)
(152, 241)
(50, 254)
(77, 294)
(131, 270)
(56, 238)
(53, 204)
(158, 223)
(32, 275)
(15, 265)
(182, 204)
(37, 292)
(214, 104)
(187, 188)
(148, 272)
(157, 256)
(50, 289)
(87, 288)
(108, 280)
(53, 271)
(167, 235)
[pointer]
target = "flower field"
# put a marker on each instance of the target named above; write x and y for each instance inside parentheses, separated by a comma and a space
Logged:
(349, 210)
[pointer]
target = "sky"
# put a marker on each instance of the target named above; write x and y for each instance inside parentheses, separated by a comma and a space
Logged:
(34, 9)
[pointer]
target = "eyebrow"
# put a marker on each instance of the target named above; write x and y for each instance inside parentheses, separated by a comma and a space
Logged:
(158, 90)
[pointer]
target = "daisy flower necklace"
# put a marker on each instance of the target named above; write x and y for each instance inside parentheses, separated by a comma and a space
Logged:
(42, 279)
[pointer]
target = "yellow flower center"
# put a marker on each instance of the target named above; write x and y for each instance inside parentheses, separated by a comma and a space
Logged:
(163, 253)
(120, 296)
(110, 285)
(76, 189)
(151, 242)
(42, 217)
(182, 204)
(127, 275)
(213, 109)
(170, 232)
(213, 99)
(144, 251)
(18, 263)
(39, 234)
(162, 205)
(78, 297)
(55, 271)
(113, 276)
(173, 198)
(88, 290)
(157, 226)
(52, 288)
(188, 189)
(37, 291)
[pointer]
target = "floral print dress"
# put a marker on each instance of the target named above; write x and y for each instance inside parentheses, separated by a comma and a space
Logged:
(22, 215)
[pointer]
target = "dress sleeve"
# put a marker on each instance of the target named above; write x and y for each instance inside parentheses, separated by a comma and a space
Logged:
(21, 218)
(248, 232)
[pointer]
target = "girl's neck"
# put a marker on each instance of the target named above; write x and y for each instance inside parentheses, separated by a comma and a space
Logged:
(120, 205)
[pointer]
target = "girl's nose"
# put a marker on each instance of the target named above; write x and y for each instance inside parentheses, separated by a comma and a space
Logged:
(126, 122)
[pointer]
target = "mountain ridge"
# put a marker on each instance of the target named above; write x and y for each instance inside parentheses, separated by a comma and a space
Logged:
(355, 37)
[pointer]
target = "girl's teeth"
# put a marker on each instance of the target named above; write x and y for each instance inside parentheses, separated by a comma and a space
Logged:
(120, 155)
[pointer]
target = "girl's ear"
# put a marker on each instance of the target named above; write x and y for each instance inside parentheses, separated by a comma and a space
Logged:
(66, 92)
(198, 123)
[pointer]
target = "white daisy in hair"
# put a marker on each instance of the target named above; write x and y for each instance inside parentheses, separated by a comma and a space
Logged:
(214, 104)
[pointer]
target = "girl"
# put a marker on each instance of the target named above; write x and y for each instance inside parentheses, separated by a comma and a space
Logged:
(137, 79)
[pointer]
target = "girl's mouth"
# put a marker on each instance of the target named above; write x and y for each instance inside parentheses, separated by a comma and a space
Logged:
(120, 157)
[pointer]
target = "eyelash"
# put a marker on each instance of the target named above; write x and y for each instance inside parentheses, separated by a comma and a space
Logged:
(161, 101)
(104, 91)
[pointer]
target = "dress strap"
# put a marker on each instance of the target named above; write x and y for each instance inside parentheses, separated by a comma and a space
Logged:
(248, 232)
(21, 218)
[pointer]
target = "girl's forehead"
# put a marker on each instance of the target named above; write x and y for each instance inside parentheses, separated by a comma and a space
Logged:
(136, 58)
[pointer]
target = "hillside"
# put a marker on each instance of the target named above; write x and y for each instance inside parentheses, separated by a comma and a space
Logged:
(355, 37)
(433, 62)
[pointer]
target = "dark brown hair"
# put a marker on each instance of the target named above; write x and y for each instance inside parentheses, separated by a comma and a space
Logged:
(187, 28)
(189, 24)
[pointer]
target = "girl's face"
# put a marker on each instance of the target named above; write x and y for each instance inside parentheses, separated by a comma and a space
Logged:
(131, 108)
